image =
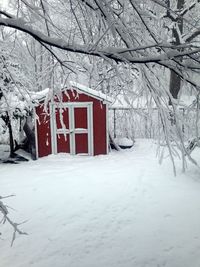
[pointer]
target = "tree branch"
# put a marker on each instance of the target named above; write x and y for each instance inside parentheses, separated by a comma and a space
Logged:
(6, 14)
(109, 52)
(5, 218)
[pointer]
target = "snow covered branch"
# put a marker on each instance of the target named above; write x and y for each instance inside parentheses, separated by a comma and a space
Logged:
(5, 218)
(116, 54)
(6, 14)
(192, 35)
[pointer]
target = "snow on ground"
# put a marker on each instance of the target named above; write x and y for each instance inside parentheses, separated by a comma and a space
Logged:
(118, 210)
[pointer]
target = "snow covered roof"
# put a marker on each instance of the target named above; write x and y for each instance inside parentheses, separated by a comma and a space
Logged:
(89, 91)
(39, 95)
(47, 93)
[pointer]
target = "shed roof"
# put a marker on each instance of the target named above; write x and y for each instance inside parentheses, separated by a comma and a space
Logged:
(91, 92)
(47, 93)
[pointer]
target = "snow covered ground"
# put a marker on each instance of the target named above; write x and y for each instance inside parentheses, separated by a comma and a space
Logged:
(119, 210)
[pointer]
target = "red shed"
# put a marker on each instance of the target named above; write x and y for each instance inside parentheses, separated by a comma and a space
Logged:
(75, 122)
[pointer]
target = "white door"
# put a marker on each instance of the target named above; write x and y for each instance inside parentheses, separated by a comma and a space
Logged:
(72, 128)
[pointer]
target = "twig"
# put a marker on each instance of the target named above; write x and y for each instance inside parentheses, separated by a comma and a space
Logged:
(14, 225)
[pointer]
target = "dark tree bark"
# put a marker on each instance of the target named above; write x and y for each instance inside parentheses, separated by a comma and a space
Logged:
(30, 134)
(6, 119)
(175, 84)
(175, 80)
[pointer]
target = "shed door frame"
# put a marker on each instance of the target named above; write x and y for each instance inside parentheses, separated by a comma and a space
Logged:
(72, 131)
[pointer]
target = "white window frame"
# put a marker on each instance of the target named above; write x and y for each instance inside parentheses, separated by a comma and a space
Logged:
(72, 131)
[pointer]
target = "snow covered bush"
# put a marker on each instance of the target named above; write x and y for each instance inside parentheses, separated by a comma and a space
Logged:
(14, 101)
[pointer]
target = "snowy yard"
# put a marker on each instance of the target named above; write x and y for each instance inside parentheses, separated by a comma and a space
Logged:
(119, 210)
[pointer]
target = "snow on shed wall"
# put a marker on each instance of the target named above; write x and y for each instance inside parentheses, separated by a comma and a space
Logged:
(43, 132)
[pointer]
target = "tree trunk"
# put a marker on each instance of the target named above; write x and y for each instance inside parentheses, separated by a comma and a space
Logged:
(175, 85)
(175, 80)
(7, 121)
(12, 148)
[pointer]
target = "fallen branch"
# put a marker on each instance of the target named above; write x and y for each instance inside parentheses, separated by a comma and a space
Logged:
(5, 218)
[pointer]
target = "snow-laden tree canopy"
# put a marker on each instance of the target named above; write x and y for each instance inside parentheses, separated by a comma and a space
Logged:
(122, 31)
(118, 44)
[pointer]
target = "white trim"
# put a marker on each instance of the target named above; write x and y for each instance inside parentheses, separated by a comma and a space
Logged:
(76, 131)
(80, 131)
(36, 133)
(90, 129)
(91, 92)
(52, 128)
(72, 131)
(72, 104)
(107, 131)
(63, 131)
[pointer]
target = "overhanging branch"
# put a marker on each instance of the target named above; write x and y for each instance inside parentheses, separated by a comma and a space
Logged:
(116, 54)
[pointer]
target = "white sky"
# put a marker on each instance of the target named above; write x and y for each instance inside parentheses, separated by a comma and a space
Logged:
(3, 3)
